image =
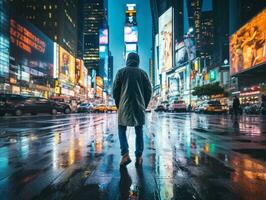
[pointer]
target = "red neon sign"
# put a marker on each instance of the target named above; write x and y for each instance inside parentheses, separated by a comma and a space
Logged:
(24, 39)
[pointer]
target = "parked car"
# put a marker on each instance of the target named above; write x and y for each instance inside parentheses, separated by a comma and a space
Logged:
(210, 107)
(85, 107)
(100, 108)
(177, 106)
(8, 101)
(71, 101)
(35, 105)
(160, 108)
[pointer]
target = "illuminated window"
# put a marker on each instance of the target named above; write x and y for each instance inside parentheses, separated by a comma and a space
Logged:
(50, 7)
(44, 7)
(55, 37)
(50, 15)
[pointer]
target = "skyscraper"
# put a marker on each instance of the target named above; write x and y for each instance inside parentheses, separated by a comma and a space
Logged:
(57, 19)
(93, 19)
(194, 18)
(4, 46)
(130, 29)
(241, 11)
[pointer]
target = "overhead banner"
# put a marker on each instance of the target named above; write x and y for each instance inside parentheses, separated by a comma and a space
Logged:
(166, 41)
(248, 45)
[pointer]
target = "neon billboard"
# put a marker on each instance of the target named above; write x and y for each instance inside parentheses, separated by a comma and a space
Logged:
(103, 38)
(248, 45)
(166, 41)
(131, 34)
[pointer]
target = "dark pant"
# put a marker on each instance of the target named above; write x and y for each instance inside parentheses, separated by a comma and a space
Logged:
(123, 140)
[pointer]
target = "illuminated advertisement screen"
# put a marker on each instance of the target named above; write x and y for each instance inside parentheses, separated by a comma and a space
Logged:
(103, 36)
(32, 51)
(181, 56)
(99, 81)
(85, 76)
(248, 45)
(80, 78)
(166, 40)
(66, 66)
(131, 47)
(131, 34)
(103, 51)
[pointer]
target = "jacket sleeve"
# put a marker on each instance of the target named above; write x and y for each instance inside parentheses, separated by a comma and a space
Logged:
(117, 89)
(147, 90)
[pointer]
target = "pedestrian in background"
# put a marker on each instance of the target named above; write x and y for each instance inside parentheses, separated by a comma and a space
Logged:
(132, 93)
(236, 107)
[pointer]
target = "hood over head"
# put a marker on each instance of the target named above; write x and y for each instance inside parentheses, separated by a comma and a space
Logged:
(132, 60)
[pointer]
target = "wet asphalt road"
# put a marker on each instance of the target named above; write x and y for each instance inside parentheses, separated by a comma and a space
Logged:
(187, 156)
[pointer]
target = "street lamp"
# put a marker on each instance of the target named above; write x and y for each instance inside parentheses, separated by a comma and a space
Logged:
(190, 30)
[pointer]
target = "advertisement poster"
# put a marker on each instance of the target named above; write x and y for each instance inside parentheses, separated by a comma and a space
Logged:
(166, 40)
(248, 45)
(131, 34)
(66, 66)
(181, 56)
(33, 50)
(103, 36)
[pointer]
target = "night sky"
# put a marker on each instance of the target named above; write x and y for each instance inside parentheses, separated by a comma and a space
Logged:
(116, 13)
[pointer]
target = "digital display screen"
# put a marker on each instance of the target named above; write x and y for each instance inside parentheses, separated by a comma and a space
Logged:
(131, 34)
(166, 41)
(66, 66)
(33, 50)
(103, 36)
(181, 56)
(131, 47)
(248, 45)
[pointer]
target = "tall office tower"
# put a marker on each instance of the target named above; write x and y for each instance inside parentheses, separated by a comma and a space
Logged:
(207, 33)
(93, 18)
(241, 11)
(110, 71)
(4, 46)
(56, 18)
(221, 32)
(178, 20)
(194, 18)
(131, 30)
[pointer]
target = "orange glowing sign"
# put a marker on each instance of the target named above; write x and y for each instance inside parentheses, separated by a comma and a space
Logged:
(248, 45)
(99, 81)
(26, 40)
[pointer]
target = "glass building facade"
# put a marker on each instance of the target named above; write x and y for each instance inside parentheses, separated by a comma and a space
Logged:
(4, 42)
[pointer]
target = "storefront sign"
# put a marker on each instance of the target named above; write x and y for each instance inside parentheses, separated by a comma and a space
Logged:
(250, 93)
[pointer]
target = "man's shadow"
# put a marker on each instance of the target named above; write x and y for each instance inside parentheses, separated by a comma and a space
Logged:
(124, 184)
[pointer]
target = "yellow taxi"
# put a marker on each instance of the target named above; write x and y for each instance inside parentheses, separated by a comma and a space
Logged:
(112, 108)
(101, 108)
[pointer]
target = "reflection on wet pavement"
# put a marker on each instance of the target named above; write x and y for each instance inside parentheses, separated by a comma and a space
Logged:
(187, 156)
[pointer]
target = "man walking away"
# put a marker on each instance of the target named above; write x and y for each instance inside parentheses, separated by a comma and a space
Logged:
(132, 93)
(236, 108)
